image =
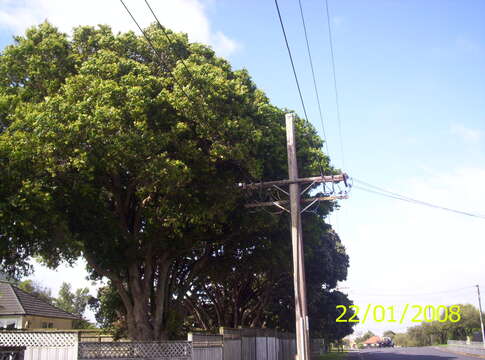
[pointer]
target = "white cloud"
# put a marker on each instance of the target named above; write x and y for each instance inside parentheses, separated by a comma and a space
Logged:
(226, 45)
(180, 15)
(467, 134)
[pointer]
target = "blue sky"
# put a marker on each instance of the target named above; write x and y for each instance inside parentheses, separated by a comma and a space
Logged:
(412, 101)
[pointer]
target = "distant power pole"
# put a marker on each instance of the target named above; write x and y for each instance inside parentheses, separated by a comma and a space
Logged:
(293, 181)
(481, 315)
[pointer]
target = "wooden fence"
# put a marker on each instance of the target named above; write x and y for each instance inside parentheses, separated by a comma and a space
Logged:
(206, 346)
(229, 344)
(261, 344)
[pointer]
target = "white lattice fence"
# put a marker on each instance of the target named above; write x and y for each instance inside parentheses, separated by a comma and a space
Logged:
(167, 350)
(43, 345)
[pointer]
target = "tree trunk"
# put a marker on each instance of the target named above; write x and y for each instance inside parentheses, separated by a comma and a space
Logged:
(143, 295)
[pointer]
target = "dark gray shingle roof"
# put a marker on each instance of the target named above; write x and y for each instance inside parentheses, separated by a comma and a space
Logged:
(9, 304)
(14, 301)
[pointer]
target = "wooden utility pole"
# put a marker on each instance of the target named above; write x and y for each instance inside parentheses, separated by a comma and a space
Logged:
(301, 311)
(294, 182)
(481, 315)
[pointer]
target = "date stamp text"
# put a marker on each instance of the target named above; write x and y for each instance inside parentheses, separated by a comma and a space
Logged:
(380, 313)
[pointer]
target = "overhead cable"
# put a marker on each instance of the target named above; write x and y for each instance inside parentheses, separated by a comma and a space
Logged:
(291, 60)
(314, 78)
(390, 194)
(157, 52)
(337, 102)
(356, 292)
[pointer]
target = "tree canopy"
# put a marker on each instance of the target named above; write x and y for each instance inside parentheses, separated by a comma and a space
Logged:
(129, 158)
(364, 337)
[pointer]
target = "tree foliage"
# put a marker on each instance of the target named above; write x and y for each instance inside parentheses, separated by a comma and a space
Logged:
(323, 313)
(74, 303)
(109, 311)
(389, 334)
(364, 337)
(439, 332)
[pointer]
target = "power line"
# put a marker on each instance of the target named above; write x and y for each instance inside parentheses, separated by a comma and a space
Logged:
(419, 202)
(156, 52)
(382, 192)
(291, 59)
(381, 189)
(296, 80)
(170, 41)
(314, 80)
(198, 105)
(337, 102)
(174, 50)
(411, 294)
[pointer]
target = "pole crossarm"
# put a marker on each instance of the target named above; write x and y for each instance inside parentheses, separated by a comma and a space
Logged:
(279, 203)
(316, 179)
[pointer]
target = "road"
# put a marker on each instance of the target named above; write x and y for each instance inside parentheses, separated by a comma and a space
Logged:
(421, 353)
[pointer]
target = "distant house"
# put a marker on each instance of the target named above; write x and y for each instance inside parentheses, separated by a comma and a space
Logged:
(21, 310)
(372, 341)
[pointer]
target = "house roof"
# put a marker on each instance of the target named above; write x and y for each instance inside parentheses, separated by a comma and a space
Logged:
(373, 340)
(14, 301)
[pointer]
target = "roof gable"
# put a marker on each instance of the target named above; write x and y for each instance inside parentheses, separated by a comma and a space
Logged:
(18, 302)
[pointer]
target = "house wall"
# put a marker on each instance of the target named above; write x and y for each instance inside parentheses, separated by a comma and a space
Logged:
(37, 322)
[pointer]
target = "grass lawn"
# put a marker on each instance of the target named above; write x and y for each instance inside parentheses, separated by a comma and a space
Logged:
(333, 356)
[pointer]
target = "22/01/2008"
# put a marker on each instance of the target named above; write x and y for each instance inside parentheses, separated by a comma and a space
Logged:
(426, 313)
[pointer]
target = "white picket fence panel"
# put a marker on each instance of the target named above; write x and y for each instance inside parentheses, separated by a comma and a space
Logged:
(53, 345)
(50, 353)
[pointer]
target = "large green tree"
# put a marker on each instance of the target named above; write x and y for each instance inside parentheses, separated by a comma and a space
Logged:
(74, 303)
(248, 282)
(103, 154)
